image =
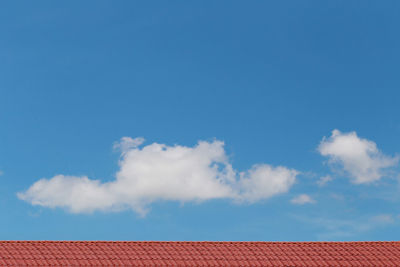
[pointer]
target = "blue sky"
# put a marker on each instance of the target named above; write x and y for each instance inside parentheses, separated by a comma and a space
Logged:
(238, 103)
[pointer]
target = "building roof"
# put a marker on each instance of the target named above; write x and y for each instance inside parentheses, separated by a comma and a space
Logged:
(106, 253)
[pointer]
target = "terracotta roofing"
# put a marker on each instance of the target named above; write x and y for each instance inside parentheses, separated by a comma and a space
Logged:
(106, 253)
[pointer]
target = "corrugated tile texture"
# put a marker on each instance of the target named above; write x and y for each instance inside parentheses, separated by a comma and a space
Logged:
(99, 253)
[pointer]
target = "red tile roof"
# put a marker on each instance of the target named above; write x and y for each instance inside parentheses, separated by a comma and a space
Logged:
(104, 253)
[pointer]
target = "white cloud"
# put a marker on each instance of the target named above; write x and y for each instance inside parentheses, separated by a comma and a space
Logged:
(159, 172)
(359, 158)
(264, 181)
(302, 199)
(324, 180)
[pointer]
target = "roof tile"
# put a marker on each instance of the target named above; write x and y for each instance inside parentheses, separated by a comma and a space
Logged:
(111, 253)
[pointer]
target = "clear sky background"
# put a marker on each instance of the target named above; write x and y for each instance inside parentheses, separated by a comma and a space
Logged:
(270, 79)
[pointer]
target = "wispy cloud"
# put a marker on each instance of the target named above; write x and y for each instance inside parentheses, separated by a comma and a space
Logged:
(359, 158)
(333, 229)
(324, 180)
(159, 172)
(302, 199)
(383, 218)
(336, 196)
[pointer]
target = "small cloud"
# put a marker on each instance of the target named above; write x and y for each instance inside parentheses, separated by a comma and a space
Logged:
(126, 143)
(302, 199)
(324, 180)
(358, 157)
